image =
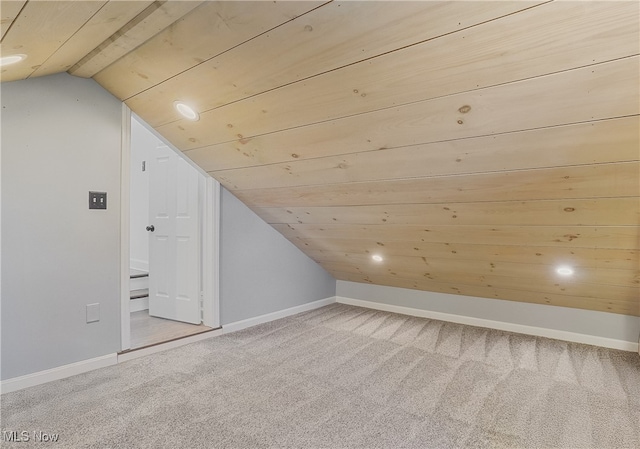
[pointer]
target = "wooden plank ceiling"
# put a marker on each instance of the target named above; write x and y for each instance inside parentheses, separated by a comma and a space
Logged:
(475, 146)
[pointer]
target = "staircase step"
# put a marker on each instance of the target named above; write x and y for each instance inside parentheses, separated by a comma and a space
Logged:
(139, 283)
(141, 293)
(135, 273)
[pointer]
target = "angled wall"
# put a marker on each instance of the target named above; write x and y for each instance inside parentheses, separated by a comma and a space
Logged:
(260, 271)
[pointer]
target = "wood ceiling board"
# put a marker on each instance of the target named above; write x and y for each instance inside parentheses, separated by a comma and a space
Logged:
(153, 19)
(108, 20)
(613, 140)
(583, 281)
(591, 212)
(211, 29)
(40, 30)
(9, 10)
(586, 181)
(597, 92)
(545, 255)
(323, 40)
(599, 304)
(614, 237)
(542, 40)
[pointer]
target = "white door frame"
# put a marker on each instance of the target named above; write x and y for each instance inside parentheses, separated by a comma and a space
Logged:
(210, 263)
(210, 226)
(125, 188)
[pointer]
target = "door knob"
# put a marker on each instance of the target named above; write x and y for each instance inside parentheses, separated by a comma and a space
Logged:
(151, 228)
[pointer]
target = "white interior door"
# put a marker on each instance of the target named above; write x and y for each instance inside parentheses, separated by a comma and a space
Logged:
(174, 250)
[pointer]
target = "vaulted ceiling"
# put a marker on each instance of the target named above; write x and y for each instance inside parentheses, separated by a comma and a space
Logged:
(475, 146)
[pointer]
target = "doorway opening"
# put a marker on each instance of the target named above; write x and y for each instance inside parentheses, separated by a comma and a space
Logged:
(171, 260)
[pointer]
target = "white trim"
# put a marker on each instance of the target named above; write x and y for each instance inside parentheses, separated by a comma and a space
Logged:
(136, 353)
(61, 372)
(139, 304)
(211, 253)
(499, 325)
(0, 261)
(243, 324)
(30, 380)
(84, 366)
(215, 259)
(125, 169)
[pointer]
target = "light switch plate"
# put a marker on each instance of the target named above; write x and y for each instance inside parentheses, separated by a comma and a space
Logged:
(97, 200)
(93, 312)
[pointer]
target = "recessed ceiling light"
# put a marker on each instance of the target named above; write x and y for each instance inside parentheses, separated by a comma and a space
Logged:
(564, 271)
(376, 258)
(13, 59)
(186, 111)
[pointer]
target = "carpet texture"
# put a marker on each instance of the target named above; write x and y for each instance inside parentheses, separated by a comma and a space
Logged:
(346, 377)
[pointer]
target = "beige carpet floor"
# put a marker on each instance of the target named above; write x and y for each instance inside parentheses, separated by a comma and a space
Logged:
(346, 377)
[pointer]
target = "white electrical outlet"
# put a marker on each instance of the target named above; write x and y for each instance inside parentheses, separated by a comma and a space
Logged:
(93, 312)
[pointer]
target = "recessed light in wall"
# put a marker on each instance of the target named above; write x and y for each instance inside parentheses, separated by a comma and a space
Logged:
(13, 59)
(186, 111)
(376, 258)
(564, 271)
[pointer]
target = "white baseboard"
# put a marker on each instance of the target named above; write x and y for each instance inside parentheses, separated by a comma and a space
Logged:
(243, 324)
(499, 325)
(30, 380)
(41, 377)
(124, 357)
(136, 305)
(61, 372)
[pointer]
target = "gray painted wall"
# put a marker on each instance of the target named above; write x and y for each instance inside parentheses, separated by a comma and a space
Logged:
(601, 324)
(60, 139)
(261, 271)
